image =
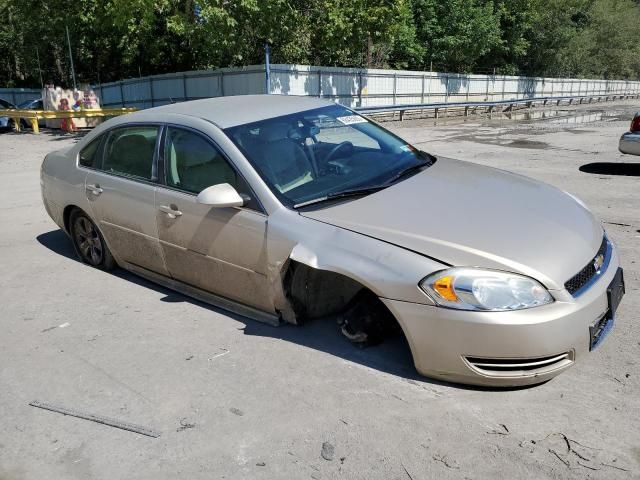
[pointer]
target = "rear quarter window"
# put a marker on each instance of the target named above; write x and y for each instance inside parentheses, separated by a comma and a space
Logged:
(89, 155)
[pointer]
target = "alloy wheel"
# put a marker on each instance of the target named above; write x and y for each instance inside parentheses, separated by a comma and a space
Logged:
(88, 241)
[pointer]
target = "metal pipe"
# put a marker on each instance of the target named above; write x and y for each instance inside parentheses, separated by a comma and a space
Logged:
(267, 69)
(73, 72)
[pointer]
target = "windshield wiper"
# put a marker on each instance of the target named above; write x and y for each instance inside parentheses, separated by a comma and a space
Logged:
(412, 169)
(345, 193)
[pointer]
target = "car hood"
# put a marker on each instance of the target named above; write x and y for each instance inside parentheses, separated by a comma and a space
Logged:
(466, 214)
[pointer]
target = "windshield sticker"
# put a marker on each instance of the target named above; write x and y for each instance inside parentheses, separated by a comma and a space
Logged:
(351, 119)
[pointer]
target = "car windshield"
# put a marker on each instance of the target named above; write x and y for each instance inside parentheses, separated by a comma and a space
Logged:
(323, 153)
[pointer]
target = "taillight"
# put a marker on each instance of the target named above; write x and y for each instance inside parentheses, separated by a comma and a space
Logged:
(635, 124)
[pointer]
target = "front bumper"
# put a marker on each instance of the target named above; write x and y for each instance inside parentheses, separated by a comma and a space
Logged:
(630, 143)
(504, 348)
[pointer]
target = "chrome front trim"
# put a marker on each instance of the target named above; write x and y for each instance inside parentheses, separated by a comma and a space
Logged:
(605, 265)
(519, 367)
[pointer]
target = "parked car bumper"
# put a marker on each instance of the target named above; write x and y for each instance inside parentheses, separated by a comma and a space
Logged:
(630, 143)
(489, 348)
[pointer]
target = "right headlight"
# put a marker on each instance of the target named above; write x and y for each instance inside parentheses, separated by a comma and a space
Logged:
(485, 290)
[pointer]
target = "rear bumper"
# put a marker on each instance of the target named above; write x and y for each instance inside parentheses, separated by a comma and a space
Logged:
(462, 346)
(630, 143)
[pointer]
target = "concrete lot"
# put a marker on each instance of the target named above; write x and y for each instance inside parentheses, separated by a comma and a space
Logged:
(234, 399)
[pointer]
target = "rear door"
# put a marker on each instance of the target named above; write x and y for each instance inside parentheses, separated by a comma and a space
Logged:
(220, 250)
(121, 193)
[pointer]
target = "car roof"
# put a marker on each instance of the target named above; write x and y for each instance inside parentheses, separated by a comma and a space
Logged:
(231, 111)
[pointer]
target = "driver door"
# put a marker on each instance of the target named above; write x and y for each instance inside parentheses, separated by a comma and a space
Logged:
(220, 250)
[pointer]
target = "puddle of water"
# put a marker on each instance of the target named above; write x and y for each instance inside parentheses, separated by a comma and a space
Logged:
(562, 116)
(555, 116)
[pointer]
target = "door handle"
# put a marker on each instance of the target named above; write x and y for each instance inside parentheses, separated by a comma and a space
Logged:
(171, 213)
(95, 189)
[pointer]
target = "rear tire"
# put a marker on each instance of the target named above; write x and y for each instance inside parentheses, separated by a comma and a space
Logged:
(89, 243)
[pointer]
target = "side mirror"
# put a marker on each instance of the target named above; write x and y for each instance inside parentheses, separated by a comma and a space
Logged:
(220, 196)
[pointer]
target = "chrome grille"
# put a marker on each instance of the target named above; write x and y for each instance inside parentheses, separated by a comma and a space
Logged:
(521, 366)
(583, 277)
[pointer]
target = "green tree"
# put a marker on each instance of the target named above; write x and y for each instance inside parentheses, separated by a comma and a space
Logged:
(115, 39)
(456, 34)
(607, 46)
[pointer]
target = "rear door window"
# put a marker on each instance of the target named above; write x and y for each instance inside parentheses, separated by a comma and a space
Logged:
(130, 151)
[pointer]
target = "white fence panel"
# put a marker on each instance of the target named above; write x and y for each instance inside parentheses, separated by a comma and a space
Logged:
(348, 86)
(202, 85)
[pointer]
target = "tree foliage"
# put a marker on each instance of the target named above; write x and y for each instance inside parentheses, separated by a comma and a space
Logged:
(114, 39)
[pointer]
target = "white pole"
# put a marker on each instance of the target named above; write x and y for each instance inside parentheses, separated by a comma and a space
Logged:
(73, 72)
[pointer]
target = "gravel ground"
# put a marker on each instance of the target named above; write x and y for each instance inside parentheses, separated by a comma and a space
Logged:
(232, 398)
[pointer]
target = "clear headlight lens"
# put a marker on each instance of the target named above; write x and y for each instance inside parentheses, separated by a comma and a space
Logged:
(488, 290)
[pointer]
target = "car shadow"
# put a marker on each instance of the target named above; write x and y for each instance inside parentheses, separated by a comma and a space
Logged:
(58, 134)
(612, 168)
(392, 357)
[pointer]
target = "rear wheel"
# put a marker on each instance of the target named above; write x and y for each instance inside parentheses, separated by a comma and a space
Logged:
(89, 243)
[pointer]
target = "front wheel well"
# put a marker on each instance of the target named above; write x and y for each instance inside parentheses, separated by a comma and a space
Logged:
(315, 293)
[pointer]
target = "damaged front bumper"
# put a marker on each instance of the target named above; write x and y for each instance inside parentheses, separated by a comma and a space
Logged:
(504, 348)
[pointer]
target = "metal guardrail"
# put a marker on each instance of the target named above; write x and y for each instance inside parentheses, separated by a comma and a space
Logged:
(490, 105)
(34, 115)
